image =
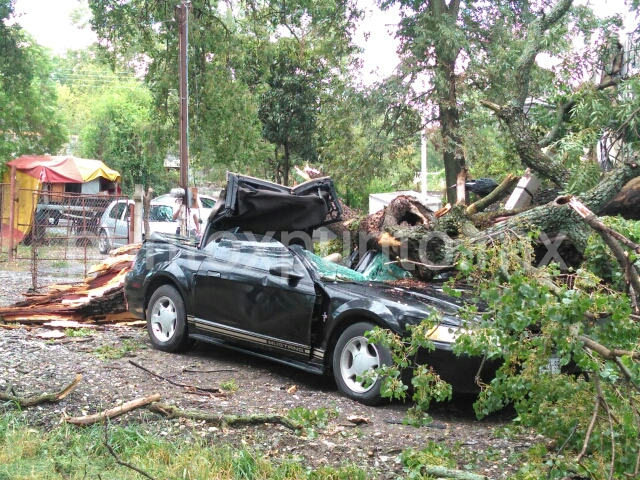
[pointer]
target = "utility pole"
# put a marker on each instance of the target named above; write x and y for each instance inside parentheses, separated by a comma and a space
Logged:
(423, 164)
(182, 16)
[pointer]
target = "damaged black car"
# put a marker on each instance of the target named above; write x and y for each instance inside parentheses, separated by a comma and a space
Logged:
(252, 286)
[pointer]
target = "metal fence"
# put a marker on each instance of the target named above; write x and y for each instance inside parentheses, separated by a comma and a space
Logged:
(60, 235)
(5, 193)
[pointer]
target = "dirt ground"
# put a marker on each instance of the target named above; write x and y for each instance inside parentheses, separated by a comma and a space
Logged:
(33, 366)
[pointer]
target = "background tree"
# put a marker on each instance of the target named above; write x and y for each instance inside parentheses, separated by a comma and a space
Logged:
(289, 107)
(29, 122)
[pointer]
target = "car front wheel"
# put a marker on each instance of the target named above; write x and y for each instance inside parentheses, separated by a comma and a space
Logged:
(166, 320)
(103, 243)
(352, 357)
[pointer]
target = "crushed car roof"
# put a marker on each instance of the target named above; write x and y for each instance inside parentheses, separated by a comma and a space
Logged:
(260, 206)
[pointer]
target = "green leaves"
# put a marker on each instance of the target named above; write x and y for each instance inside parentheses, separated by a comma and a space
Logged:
(29, 119)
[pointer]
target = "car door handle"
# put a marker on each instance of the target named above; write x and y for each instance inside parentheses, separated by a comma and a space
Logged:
(211, 273)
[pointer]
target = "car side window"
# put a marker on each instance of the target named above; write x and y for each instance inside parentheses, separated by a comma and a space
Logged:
(113, 213)
(121, 210)
(254, 251)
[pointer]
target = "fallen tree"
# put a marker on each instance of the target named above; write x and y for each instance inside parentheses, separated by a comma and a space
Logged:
(97, 299)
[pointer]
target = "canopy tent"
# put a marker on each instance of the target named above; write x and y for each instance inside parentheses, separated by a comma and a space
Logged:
(32, 171)
(63, 169)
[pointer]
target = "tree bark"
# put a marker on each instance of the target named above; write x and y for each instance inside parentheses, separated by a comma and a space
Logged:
(285, 173)
(24, 402)
(626, 202)
(114, 412)
(529, 151)
(501, 191)
(171, 411)
(445, 86)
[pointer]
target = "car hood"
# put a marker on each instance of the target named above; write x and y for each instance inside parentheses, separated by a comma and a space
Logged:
(410, 301)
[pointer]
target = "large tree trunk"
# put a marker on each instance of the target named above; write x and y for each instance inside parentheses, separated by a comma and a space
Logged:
(626, 202)
(445, 87)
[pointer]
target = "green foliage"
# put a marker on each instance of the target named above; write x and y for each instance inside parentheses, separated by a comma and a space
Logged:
(114, 352)
(29, 122)
(599, 260)
(288, 107)
(311, 420)
(230, 385)
(534, 328)
(527, 324)
(434, 454)
(78, 332)
(426, 385)
(584, 176)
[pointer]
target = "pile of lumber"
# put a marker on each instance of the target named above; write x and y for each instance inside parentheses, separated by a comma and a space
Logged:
(97, 299)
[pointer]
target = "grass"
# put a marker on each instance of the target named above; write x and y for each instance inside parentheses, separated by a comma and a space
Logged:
(68, 452)
(112, 352)
(78, 332)
(230, 385)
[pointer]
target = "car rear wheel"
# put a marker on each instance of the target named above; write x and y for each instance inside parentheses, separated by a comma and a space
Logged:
(352, 357)
(167, 320)
(103, 242)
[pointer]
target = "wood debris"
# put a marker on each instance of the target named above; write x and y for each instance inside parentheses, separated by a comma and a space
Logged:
(98, 299)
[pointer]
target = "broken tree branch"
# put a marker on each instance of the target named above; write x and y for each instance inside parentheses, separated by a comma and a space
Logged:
(171, 411)
(605, 233)
(604, 352)
(589, 217)
(444, 472)
(114, 412)
(507, 184)
(37, 399)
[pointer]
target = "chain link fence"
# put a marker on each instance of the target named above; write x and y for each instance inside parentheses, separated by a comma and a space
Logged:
(60, 235)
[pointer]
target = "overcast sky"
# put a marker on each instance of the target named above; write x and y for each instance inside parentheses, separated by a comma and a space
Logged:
(49, 22)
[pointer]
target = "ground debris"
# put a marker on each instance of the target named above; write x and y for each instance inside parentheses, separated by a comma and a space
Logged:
(97, 299)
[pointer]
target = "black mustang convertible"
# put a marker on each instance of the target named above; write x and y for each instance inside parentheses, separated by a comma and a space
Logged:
(242, 288)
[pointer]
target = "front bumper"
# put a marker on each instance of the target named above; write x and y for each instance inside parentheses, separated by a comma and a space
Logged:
(459, 371)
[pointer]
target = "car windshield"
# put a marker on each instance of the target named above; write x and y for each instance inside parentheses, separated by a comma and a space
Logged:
(160, 213)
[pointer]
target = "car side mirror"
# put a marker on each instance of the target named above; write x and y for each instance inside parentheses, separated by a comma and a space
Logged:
(286, 271)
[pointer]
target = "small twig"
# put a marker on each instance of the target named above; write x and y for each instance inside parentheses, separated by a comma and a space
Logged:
(573, 430)
(477, 377)
(592, 424)
(613, 437)
(177, 384)
(118, 460)
(626, 372)
(189, 370)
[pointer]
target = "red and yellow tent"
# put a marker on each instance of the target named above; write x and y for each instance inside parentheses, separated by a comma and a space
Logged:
(32, 171)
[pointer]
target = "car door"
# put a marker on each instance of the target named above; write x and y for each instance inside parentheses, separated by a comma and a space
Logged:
(121, 224)
(252, 290)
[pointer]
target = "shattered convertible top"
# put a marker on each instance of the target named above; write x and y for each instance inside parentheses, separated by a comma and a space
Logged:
(260, 206)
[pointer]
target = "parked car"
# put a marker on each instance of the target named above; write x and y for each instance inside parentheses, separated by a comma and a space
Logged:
(250, 292)
(114, 224)
(205, 204)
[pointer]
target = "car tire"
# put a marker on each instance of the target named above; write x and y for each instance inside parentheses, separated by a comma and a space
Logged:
(103, 242)
(167, 320)
(352, 356)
